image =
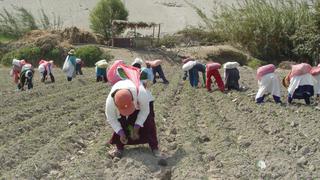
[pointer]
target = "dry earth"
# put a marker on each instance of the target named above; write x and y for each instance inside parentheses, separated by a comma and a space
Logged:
(59, 131)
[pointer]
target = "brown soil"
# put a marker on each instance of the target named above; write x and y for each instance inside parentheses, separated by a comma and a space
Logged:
(59, 131)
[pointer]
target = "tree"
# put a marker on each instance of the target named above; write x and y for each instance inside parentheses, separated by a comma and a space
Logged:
(104, 13)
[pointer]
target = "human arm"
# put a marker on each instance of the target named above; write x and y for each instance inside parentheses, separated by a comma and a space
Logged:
(112, 116)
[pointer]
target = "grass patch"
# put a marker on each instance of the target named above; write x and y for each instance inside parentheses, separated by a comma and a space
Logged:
(6, 38)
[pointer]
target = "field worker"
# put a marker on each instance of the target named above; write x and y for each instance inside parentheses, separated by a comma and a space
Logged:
(157, 68)
(268, 82)
(301, 83)
(194, 73)
(212, 70)
(79, 65)
(45, 68)
(128, 113)
(101, 70)
(69, 66)
(316, 75)
(146, 72)
(231, 75)
(16, 69)
(26, 77)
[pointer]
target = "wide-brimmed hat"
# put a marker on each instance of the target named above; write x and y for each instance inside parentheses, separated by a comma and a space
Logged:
(124, 101)
(71, 52)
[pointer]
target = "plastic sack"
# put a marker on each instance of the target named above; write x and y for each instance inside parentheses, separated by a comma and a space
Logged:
(78, 60)
(231, 65)
(102, 64)
(213, 66)
(263, 70)
(187, 66)
(112, 72)
(42, 61)
(300, 69)
(41, 68)
(66, 65)
(186, 60)
(154, 63)
(26, 67)
(16, 62)
(137, 61)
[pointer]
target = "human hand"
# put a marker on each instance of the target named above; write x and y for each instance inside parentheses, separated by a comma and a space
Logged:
(123, 139)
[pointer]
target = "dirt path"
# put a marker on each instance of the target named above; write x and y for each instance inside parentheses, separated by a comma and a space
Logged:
(59, 131)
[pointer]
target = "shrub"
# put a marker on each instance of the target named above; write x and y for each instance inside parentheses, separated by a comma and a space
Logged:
(31, 54)
(204, 37)
(104, 13)
(169, 41)
(255, 63)
(20, 21)
(91, 54)
(262, 27)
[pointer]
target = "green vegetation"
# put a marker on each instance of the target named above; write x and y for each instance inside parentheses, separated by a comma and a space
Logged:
(255, 63)
(33, 54)
(91, 54)
(169, 41)
(6, 38)
(201, 35)
(104, 13)
(268, 30)
(17, 23)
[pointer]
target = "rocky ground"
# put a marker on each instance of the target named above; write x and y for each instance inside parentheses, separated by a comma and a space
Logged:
(59, 131)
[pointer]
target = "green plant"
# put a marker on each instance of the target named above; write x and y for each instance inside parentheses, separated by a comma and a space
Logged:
(169, 41)
(201, 35)
(19, 21)
(255, 63)
(91, 54)
(31, 54)
(262, 27)
(104, 13)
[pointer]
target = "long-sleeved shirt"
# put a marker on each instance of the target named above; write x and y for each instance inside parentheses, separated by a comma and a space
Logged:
(269, 83)
(140, 100)
(301, 80)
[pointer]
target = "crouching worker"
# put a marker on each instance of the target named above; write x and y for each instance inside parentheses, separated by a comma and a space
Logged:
(101, 70)
(26, 77)
(212, 70)
(16, 69)
(45, 68)
(130, 116)
(316, 74)
(156, 68)
(79, 65)
(231, 75)
(301, 83)
(69, 65)
(268, 83)
(193, 68)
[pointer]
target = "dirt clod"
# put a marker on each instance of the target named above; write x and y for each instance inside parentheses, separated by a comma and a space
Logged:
(302, 161)
(165, 174)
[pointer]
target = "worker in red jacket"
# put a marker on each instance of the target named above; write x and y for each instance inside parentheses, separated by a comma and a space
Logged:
(212, 70)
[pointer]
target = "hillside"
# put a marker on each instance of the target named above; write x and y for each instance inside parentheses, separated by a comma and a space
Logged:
(59, 131)
(76, 12)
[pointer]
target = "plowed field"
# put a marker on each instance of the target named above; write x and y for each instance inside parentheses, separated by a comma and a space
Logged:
(59, 131)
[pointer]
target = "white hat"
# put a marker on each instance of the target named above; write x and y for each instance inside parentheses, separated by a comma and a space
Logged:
(138, 61)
